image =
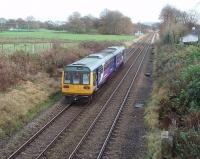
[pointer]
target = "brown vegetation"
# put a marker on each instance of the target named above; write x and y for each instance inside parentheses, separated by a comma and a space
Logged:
(14, 68)
(114, 22)
(96, 46)
(16, 105)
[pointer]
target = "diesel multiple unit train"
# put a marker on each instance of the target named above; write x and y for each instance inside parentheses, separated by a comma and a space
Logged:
(84, 77)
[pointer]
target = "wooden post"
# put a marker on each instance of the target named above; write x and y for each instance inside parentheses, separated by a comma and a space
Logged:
(25, 47)
(166, 144)
(2, 47)
(33, 48)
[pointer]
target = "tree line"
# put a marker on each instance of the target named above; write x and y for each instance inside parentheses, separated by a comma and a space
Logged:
(175, 23)
(109, 22)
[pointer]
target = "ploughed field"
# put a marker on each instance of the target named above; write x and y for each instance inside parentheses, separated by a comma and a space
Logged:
(78, 118)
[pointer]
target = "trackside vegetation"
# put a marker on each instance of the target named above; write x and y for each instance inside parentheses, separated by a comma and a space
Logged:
(175, 101)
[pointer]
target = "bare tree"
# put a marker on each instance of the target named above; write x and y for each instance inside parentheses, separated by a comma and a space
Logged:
(76, 24)
(30, 20)
(89, 22)
(114, 22)
(2, 22)
(175, 22)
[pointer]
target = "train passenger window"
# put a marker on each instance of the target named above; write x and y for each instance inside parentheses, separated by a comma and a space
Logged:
(86, 79)
(66, 77)
(76, 78)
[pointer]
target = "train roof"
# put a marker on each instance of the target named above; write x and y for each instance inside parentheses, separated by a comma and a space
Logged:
(94, 60)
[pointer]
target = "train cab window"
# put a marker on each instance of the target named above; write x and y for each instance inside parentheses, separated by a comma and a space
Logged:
(76, 78)
(86, 79)
(67, 78)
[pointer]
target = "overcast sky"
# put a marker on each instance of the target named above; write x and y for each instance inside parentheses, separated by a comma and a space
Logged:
(137, 10)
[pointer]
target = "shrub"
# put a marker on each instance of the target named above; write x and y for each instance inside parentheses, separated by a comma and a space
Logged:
(186, 144)
(59, 57)
(177, 71)
(167, 38)
(17, 67)
(96, 46)
(14, 68)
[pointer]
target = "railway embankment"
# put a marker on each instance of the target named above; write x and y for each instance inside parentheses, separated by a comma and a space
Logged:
(174, 107)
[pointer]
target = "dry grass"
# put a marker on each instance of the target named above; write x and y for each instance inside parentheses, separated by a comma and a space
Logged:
(154, 145)
(18, 102)
(151, 120)
(151, 117)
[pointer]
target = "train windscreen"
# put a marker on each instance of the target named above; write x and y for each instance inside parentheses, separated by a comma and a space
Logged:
(76, 76)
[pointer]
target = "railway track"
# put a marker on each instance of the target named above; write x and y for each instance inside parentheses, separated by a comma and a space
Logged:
(35, 145)
(94, 141)
(111, 129)
(41, 141)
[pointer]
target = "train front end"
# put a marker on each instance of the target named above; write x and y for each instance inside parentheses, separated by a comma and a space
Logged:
(77, 82)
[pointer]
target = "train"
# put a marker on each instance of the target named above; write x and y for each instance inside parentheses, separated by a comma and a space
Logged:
(81, 79)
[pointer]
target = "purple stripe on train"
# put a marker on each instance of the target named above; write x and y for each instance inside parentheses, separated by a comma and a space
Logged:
(106, 73)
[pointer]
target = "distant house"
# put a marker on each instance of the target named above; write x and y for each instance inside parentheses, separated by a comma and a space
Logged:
(139, 33)
(192, 37)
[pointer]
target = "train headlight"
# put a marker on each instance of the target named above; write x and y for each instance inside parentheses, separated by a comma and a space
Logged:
(86, 87)
(66, 86)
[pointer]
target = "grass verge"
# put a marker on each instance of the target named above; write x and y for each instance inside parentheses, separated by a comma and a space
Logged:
(21, 104)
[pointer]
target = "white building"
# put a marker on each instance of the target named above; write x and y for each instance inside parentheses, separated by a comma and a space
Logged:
(139, 33)
(190, 38)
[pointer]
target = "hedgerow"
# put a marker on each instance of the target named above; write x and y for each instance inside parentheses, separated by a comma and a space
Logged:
(178, 73)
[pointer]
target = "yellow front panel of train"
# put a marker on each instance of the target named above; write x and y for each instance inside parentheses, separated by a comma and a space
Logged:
(76, 89)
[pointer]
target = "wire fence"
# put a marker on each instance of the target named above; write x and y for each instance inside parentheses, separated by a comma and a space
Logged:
(30, 47)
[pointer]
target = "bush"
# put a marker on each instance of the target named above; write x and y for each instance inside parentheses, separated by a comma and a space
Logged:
(59, 57)
(167, 38)
(177, 71)
(187, 144)
(14, 68)
(97, 46)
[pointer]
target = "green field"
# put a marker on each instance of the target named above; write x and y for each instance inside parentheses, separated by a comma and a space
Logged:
(41, 40)
(62, 36)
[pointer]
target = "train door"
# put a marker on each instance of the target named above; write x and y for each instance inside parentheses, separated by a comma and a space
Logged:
(99, 72)
(115, 63)
(97, 77)
(124, 56)
(95, 83)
